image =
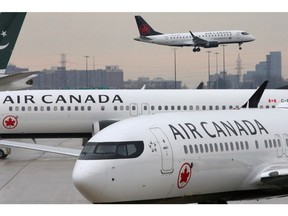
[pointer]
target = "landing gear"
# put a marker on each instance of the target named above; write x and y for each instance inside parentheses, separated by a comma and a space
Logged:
(196, 49)
(240, 48)
(3, 154)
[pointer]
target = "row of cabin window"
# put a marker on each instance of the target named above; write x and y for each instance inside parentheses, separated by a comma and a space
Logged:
(203, 36)
(49, 108)
(274, 143)
(230, 147)
(121, 108)
(190, 107)
(217, 147)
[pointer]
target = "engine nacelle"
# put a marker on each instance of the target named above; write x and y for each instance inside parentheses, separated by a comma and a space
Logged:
(211, 44)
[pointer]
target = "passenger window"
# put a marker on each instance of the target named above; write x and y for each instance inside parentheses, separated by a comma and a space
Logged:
(115, 108)
(201, 148)
(279, 143)
(61, 108)
(247, 145)
(159, 108)
(82, 108)
(172, 107)
(266, 143)
(203, 107)
(185, 149)
(274, 143)
(35, 108)
(191, 149)
(226, 146)
(206, 148)
(242, 145)
(10, 108)
(237, 146)
(270, 143)
(211, 147)
(256, 144)
(23, 108)
(178, 107)
(210, 107)
(216, 147)
(190, 107)
(41, 108)
(221, 147)
(196, 149)
(102, 108)
(231, 146)
(166, 107)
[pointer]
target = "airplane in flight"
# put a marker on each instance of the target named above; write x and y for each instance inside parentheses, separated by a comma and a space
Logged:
(184, 157)
(209, 39)
(10, 26)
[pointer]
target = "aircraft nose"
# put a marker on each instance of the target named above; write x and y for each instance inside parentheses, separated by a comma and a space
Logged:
(252, 38)
(89, 177)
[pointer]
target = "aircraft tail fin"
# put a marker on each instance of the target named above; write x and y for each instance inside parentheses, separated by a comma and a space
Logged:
(10, 26)
(255, 98)
(144, 28)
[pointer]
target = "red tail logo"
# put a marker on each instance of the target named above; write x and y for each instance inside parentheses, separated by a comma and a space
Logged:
(144, 29)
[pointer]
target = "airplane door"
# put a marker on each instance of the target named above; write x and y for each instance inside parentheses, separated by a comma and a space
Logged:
(133, 109)
(279, 145)
(285, 144)
(145, 109)
(166, 150)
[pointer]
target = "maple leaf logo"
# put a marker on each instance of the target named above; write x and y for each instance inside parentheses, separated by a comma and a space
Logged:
(184, 175)
(10, 122)
(144, 29)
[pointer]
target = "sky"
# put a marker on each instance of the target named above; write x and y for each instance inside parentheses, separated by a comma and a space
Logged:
(107, 37)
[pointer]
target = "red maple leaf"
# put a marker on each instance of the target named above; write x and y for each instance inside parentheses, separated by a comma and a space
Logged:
(10, 122)
(184, 175)
(144, 29)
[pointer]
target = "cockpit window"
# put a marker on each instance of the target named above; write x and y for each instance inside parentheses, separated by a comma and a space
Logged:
(244, 33)
(111, 150)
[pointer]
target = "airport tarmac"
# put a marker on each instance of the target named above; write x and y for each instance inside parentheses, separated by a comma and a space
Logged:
(33, 177)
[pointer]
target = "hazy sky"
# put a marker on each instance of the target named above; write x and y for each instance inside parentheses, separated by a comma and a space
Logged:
(108, 37)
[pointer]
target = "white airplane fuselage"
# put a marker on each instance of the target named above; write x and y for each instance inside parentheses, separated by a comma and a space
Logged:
(77, 113)
(188, 157)
(185, 39)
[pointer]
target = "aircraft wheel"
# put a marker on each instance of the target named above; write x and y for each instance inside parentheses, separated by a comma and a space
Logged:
(2, 154)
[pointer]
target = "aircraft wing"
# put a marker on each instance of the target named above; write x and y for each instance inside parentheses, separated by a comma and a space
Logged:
(198, 41)
(43, 148)
(8, 82)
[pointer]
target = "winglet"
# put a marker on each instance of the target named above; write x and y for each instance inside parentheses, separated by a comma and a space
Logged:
(200, 86)
(255, 98)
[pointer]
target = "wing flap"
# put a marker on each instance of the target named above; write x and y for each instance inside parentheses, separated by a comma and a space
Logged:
(44, 148)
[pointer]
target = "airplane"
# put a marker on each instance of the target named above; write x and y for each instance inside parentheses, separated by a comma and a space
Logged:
(10, 26)
(82, 113)
(209, 39)
(210, 157)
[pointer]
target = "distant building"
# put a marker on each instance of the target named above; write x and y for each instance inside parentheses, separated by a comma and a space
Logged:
(270, 70)
(14, 69)
(59, 78)
(156, 83)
